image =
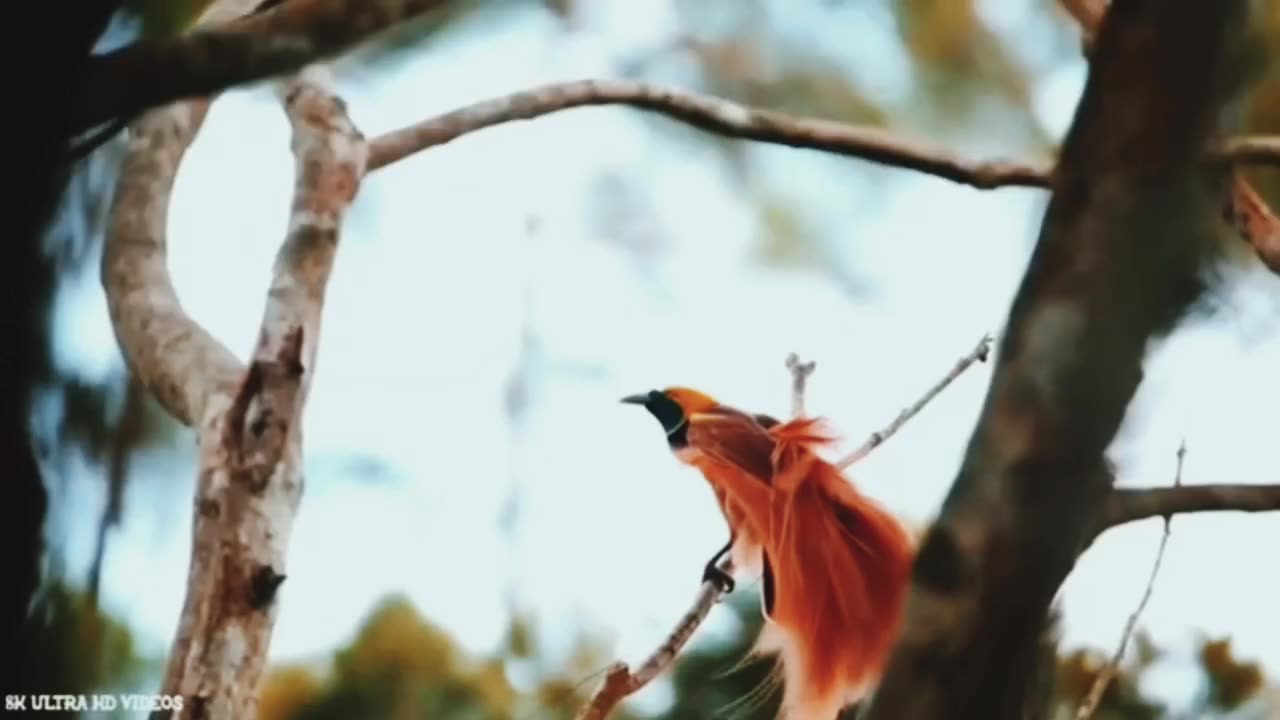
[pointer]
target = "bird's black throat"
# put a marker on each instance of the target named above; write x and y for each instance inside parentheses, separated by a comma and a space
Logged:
(671, 416)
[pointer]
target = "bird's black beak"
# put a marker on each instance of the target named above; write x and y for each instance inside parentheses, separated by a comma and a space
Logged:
(637, 399)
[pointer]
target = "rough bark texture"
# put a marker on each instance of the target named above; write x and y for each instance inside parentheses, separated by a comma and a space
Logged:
(1125, 240)
(250, 477)
(248, 419)
(175, 358)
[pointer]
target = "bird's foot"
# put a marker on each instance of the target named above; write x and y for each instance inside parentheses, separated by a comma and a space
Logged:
(721, 579)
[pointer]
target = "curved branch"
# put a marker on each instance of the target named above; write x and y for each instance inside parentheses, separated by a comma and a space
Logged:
(713, 115)
(877, 438)
(174, 357)
(1126, 505)
(279, 40)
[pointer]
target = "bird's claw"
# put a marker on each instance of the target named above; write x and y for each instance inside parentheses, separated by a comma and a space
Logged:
(721, 579)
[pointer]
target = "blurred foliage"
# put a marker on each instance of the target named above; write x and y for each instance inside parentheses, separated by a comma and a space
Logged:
(83, 649)
(402, 666)
(1262, 107)
(1230, 681)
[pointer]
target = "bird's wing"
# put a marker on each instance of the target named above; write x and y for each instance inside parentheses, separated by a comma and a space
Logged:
(734, 438)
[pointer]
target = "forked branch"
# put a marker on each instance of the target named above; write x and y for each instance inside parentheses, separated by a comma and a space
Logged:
(1108, 673)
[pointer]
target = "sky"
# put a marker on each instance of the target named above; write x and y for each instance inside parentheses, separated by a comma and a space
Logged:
(496, 263)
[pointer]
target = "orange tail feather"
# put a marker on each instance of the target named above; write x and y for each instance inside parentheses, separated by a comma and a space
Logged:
(839, 565)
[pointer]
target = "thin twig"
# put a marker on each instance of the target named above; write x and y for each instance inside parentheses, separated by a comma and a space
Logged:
(979, 353)
(800, 372)
(1108, 672)
(620, 681)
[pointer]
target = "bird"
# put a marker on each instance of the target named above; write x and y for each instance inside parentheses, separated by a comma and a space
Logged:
(834, 564)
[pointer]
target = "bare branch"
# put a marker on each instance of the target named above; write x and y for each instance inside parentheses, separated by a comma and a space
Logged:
(800, 372)
(620, 681)
(274, 42)
(713, 115)
(1126, 505)
(173, 356)
(1134, 178)
(1108, 672)
(250, 481)
(979, 353)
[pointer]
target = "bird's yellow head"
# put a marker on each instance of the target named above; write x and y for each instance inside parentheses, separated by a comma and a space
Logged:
(673, 407)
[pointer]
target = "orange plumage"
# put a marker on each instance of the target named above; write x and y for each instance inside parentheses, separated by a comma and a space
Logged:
(835, 565)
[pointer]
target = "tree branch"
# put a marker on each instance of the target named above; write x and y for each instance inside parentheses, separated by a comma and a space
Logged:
(979, 353)
(250, 480)
(713, 115)
(620, 681)
(1091, 702)
(173, 356)
(1125, 240)
(276, 41)
(1126, 505)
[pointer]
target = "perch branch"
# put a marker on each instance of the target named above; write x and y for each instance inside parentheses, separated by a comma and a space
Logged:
(1134, 175)
(1090, 705)
(276, 41)
(620, 681)
(250, 480)
(978, 354)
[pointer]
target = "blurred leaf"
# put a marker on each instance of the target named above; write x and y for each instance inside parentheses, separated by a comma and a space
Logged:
(287, 691)
(165, 18)
(961, 64)
(399, 666)
(76, 648)
(1231, 681)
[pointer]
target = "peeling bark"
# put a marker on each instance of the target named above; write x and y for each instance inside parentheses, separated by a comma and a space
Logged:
(248, 419)
(251, 477)
(1124, 245)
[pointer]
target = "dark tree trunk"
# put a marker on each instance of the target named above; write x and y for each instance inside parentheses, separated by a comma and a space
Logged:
(63, 33)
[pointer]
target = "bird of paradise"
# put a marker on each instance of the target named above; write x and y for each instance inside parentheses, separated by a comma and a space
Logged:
(834, 564)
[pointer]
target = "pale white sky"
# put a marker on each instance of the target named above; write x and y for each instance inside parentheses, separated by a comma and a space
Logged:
(438, 274)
